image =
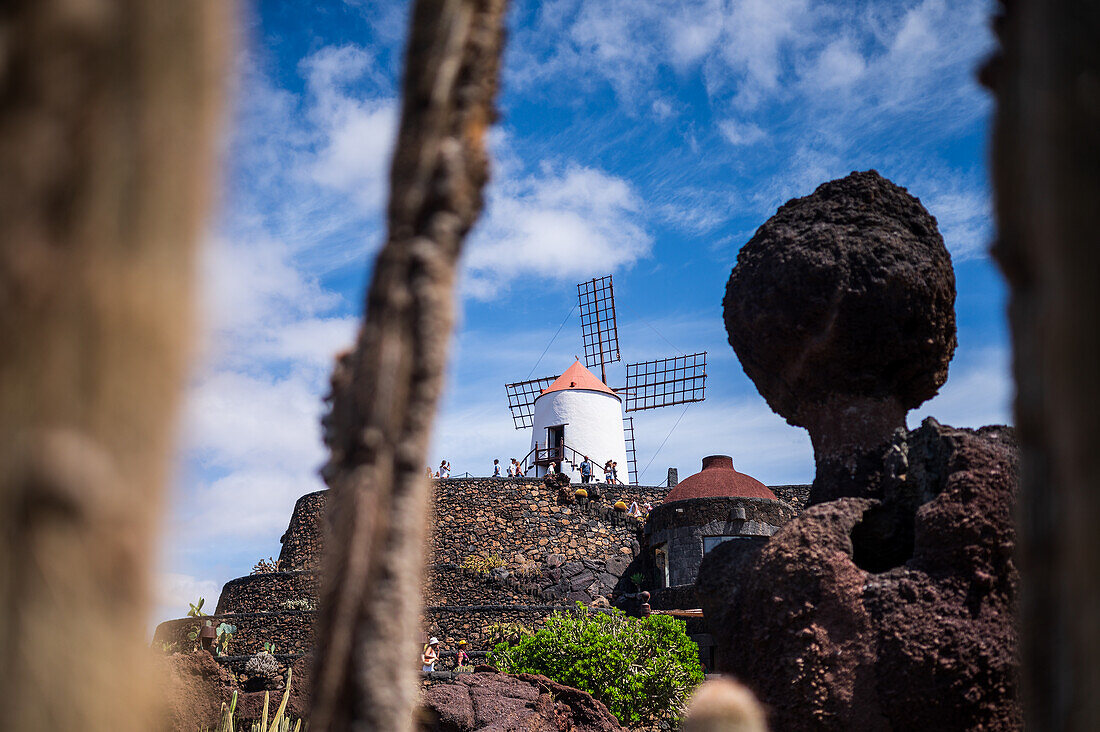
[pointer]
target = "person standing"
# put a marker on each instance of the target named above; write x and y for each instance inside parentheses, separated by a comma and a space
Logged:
(463, 659)
(550, 469)
(429, 656)
(513, 469)
(496, 468)
(586, 470)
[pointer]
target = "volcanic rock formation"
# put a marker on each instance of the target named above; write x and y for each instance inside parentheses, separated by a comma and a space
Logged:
(864, 614)
(490, 700)
(841, 310)
(890, 602)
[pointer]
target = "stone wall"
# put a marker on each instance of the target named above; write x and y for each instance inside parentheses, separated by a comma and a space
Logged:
(798, 496)
(681, 527)
(258, 593)
(291, 630)
(523, 517)
(303, 541)
(471, 623)
(552, 554)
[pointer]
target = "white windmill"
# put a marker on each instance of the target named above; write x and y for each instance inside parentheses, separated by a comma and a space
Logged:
(577, 415)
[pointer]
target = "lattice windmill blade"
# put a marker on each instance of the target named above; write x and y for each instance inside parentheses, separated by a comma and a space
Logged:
(631, 453)
(664, 382)
(599, 326)
(521, 399)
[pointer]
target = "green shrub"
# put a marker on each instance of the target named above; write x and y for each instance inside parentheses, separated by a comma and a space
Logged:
(643, 669)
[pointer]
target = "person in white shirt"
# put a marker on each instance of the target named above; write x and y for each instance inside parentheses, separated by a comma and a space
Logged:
(550, 469)
(496, 468)
(513, 469)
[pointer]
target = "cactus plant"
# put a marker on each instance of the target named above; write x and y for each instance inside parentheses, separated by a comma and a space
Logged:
(224, 635)
(196, 609)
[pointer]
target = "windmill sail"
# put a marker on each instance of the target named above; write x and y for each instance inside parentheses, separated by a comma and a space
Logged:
(664, 382)
(521, 399)
(631, 453)
(599, 327)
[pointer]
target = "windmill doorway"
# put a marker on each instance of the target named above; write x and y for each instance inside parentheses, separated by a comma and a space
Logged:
(555, 443)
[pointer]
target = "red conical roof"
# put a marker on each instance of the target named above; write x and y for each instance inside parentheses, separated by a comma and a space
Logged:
(578, 377)
(718, 479)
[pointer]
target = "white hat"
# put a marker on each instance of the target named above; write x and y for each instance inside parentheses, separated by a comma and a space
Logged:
(434, 641)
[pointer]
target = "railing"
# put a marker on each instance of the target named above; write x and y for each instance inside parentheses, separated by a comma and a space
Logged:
(543, 456)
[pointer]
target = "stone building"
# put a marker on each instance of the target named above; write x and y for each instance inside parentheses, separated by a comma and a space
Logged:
(714, 506)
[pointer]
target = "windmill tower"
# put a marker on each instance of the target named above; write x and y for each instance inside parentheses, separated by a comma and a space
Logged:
(576, 414)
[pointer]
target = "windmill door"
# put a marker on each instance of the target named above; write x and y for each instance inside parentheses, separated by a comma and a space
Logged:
(555, 441)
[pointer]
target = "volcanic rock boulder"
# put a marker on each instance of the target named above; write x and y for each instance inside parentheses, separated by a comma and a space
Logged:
(489, 700)
(884, 614)
(841, 310)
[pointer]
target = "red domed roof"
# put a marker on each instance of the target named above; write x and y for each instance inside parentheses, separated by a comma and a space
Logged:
(578, 377)
(718, 479)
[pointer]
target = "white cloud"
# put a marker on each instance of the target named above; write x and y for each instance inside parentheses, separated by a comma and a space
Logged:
(979, 391)
(741, 133)
(252, 284)
(555, 225)
(662, 109)
(357, 130)
(173, 592)
(758, 33)
(238, 420)
(837, 67)
(693, 31)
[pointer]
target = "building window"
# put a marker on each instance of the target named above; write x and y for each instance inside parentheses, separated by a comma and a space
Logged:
(660, 562)
(709, 542)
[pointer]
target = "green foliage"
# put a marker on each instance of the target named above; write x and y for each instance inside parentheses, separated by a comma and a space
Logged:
(510, 633)
(224, 635)
(643, 669)
(482, 563)
(196, 609)
(637, 578)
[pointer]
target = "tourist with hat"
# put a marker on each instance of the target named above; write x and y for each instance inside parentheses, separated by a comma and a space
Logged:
(429, 656)
(462, 660)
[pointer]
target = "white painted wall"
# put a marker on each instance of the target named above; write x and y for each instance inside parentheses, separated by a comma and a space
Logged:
(593, 426)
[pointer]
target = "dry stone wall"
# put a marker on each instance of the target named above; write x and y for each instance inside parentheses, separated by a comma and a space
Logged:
(261, 593)
(303, 542)
(522, 521)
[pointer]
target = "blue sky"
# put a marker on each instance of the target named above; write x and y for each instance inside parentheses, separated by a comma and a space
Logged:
(643, 138)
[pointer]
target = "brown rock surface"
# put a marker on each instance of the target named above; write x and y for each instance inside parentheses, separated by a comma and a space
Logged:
(194, 687)
(841, 310)
(488, 700)
(892, 614)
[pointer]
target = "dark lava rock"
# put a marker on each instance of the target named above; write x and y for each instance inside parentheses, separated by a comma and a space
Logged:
(884, 614)
(487, 700)
(841, 310)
